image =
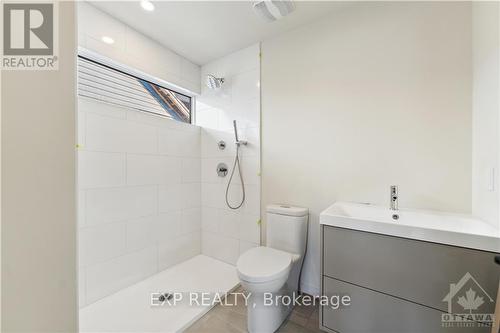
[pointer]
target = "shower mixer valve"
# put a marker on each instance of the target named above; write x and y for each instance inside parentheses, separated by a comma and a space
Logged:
(222, 169)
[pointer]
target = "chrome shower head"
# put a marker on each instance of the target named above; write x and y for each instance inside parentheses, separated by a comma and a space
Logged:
(213, 82)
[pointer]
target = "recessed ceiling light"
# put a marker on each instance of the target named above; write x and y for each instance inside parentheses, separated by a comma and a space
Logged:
(107, 40)
(147, 5)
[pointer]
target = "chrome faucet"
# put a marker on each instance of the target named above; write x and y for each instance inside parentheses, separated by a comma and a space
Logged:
(394, 197)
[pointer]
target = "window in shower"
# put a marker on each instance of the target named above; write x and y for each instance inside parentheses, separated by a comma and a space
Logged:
(112, 85)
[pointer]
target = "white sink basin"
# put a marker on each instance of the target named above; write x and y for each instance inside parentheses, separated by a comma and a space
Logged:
(432, 226)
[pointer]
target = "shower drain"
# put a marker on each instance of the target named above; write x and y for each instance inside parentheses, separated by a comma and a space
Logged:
(165, 297)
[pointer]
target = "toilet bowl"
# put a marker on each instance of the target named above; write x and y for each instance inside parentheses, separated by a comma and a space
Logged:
(264, 269)
(270, 272)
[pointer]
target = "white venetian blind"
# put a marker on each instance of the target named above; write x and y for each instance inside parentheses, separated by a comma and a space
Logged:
(110, 85)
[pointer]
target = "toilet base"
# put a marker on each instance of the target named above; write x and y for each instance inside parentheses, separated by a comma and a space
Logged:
(264, 318)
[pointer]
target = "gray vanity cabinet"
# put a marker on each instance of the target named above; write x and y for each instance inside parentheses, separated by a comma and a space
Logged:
(372, 312)
(399, 285)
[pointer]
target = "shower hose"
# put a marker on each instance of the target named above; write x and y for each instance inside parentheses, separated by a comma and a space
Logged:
(236, 163)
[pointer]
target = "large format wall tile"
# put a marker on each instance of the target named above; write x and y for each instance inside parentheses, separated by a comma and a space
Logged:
(143, 169)
(178, 249)
(102, 242)
(149, 195)
(108, 277)
(139, 190)
(96, 169)
(227, 233)
(107, 205)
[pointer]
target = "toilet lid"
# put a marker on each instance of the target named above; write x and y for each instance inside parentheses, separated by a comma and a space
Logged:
(262, 264)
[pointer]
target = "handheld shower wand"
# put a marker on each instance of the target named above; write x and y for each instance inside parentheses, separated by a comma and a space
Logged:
(238, 142)
(236, 162)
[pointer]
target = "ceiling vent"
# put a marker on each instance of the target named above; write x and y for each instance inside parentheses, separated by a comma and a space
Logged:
(272, 10)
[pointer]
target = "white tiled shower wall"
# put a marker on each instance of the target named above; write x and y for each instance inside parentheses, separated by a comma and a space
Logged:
(140, 176)
(139, 196)
(227, 233)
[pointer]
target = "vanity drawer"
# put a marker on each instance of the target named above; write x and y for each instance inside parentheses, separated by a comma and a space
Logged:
(373, 312)
(417, 271)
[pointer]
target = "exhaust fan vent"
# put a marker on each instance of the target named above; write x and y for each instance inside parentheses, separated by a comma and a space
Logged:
(273, 10)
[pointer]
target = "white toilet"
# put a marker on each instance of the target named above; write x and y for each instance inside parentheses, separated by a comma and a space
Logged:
(274, 268)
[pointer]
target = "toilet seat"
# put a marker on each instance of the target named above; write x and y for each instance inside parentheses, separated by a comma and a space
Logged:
(263, 264)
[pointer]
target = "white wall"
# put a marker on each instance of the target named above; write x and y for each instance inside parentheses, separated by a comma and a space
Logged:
(228, 233)
(134, 49)
(139, 196)
(372, 95)
(39, 288)
(486, 73)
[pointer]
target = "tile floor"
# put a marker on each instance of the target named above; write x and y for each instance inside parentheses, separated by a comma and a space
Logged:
(233, 319)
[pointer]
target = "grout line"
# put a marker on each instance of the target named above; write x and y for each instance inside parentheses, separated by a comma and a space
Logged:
(130, 219)
(130, 186)
(124, 254)
(159, 154)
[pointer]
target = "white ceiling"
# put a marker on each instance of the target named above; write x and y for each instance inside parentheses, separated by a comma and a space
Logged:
(202, 31)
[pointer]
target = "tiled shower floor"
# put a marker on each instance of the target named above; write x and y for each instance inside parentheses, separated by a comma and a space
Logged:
(130, 310)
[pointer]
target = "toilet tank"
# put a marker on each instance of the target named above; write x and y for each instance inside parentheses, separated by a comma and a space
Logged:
(287, 228)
